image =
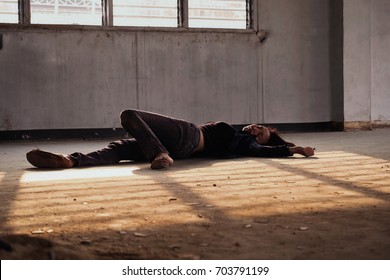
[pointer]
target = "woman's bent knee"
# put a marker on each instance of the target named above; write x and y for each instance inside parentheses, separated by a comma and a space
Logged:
(127, 115)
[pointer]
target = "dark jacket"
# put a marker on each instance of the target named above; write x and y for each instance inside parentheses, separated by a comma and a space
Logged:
(224, 141)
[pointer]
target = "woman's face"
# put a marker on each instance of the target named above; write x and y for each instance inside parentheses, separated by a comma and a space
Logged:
(262, 133)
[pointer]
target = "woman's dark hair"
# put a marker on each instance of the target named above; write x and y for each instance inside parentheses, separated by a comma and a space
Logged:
(276, 140)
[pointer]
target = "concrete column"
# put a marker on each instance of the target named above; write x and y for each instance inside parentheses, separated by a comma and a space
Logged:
(357, 62)
(380, 62)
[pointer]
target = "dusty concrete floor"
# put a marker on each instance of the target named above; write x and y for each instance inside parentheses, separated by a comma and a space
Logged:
(333, 206)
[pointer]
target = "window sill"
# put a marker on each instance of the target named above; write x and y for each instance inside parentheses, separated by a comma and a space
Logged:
(61, 27)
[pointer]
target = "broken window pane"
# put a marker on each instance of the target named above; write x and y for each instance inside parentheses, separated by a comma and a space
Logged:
(161, 13)
(217, 13)
(9, 11)
(85, 12)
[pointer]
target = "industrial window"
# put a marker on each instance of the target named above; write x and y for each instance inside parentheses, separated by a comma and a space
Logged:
(84, 12)
(217, 13)
(235, 14)
(9, 11)
(161, 13)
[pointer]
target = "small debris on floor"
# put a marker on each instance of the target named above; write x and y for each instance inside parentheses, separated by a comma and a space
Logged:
(192, 203)
(189, 257)
(262, 221)
(174, 246)
(140, 234)
(86, 242)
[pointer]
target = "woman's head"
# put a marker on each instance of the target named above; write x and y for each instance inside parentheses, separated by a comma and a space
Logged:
(261, 133)
(266, 135)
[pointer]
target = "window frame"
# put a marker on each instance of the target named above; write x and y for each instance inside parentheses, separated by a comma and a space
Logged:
(24, 15)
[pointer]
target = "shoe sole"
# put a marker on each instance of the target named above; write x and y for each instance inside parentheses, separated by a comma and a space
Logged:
(42, 159)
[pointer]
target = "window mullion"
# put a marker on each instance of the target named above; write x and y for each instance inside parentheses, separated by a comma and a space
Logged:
(249, 14)
(107, 15)
(24, 12)
(182, 13)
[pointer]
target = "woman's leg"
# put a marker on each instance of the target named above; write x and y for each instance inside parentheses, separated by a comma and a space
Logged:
(158, 134)
(127, 149)
(115, 152)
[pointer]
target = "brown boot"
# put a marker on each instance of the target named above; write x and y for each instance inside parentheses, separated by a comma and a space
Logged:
(42, 159)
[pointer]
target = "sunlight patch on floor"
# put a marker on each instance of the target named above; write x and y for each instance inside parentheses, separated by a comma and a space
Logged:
(133, 197)
(335, 180)
(79, 173)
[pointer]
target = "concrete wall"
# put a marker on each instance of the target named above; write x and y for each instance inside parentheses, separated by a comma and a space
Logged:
(367, 61)
(72, 79)
(380, 63)
(54, 78)
(296, 70)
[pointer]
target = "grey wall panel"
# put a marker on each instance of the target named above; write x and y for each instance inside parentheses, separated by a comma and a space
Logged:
(380, 51)
(296, 61)
(82, 79)
(72, 79)
(357, 60)
(203, 77)
(367, 60)
(53, 78)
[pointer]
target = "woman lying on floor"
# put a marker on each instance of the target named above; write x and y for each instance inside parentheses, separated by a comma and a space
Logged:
(160, 139)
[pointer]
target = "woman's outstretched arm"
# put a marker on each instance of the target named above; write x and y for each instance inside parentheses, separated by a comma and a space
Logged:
(305, 151)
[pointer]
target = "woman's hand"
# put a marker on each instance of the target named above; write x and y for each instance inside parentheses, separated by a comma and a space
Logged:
(305, 151)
